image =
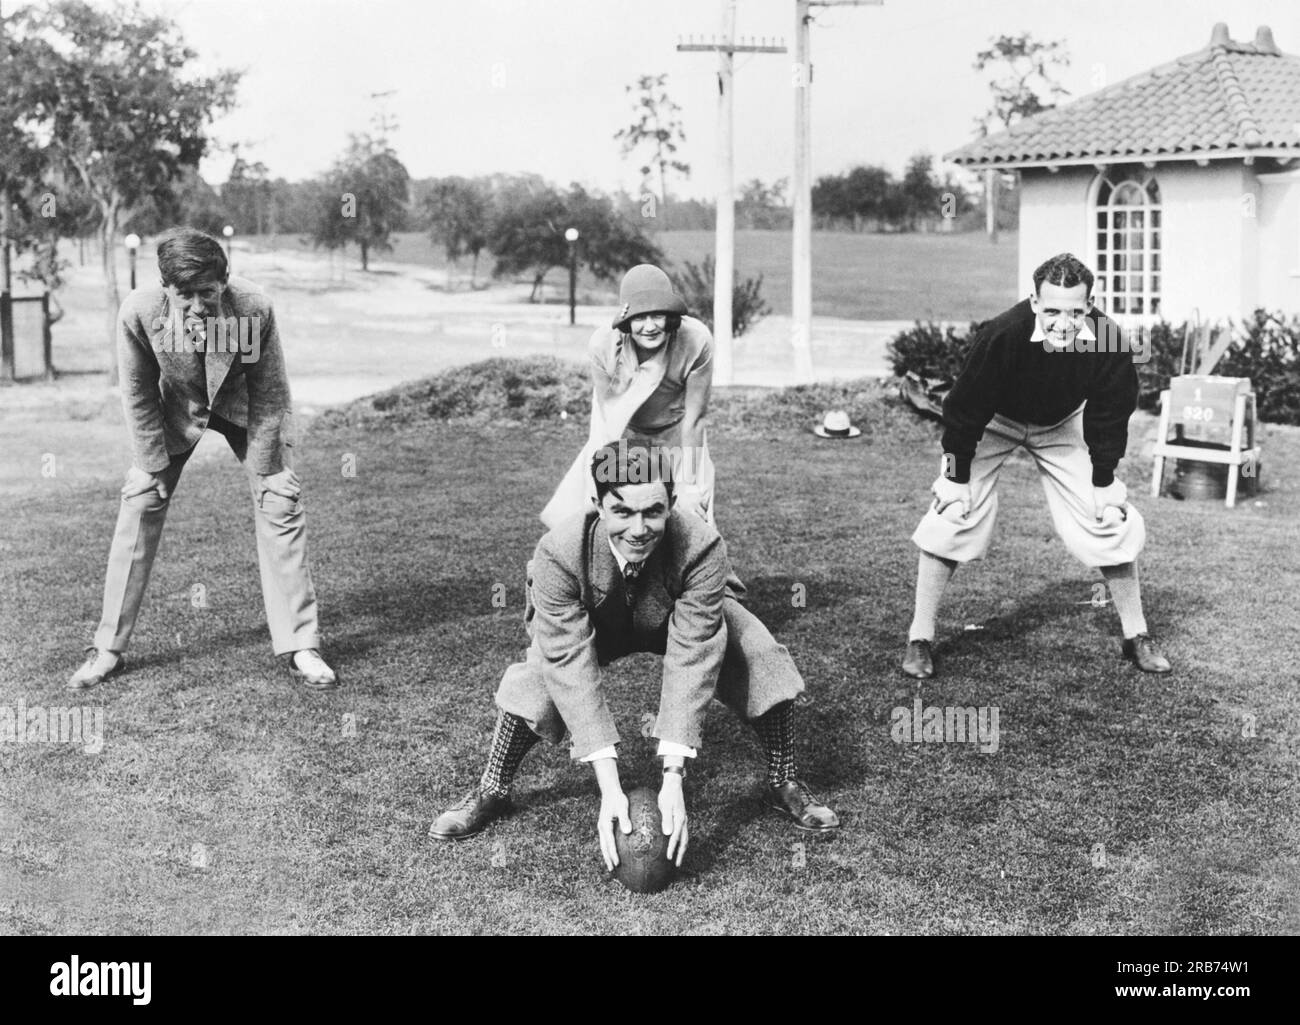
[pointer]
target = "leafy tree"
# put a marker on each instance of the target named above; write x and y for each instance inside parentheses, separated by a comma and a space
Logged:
(763, 207)
(110, 89)
(529, 223)
(830, 200)
(1025, 87)
(292, 206)
(608, 244)
(919, 189)
(656, 130)
(246, 195)
(458, 212)
(22, 167)
(863, 194)
(364, 199)
(1026, 84)
(527, 234)
(190, 201)
(868, 191)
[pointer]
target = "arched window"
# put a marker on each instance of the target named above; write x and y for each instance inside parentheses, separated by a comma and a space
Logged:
(1126, 216)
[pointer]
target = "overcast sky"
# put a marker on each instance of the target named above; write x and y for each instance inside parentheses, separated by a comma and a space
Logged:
(482, 86)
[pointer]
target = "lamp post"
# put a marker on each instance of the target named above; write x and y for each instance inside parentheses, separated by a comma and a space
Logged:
(571, 236)
(132, 243)
(229, 232)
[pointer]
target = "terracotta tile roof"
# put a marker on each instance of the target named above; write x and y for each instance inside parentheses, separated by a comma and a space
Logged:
(1230, 96)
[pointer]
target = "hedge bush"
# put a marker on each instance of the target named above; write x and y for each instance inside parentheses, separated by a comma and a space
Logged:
(695, 285)
(1266, 350)
(1269, 354)
(931, 351)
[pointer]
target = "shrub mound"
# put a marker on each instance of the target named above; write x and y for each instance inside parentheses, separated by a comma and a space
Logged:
(497, 390)
(533, 391)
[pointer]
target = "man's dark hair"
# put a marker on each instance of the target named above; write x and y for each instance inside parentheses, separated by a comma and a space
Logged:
(631, 461)
(186, 256)
(1064, 270)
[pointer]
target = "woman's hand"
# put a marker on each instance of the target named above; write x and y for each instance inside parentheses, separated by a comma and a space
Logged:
(691, 499)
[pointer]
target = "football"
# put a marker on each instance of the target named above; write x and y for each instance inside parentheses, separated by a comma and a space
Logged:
(643, 865)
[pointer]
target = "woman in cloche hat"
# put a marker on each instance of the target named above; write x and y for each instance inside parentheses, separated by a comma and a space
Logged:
(651, 370)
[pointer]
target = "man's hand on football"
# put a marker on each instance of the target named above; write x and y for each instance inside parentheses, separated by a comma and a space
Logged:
(949, 492)
(285, 484)
(672, 809)
(140, 481)
(613, 805)
(1113, 496)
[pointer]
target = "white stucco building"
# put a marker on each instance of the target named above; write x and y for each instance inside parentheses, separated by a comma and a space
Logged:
(1180, 187)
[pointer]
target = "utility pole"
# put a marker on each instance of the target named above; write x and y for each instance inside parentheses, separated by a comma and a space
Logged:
(384, 121)
(801, 247)
(724, 259)
(991, 184)
(6, 300)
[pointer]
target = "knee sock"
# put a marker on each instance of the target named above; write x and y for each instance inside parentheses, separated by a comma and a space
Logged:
(932, 576)
(775, 729)
(1126, 593)
(511, 740)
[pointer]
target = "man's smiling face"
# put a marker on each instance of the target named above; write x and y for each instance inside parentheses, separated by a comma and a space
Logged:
(198, 299)
(635, 518)
(1060, 311)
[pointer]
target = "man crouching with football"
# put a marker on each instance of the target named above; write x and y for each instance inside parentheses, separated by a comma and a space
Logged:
(633, 574)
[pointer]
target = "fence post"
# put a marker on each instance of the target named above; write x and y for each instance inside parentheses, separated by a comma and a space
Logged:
(47, 336)
(6, 336)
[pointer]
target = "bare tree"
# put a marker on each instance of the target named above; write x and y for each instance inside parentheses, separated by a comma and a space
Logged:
(657, 130)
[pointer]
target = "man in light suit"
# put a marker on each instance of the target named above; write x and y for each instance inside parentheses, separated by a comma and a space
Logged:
(202, 351)
(633, 574)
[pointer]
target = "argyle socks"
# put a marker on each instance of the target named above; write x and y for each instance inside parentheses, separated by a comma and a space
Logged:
(1126, 593)
(775, 729)
(511, 740)
(932, 576)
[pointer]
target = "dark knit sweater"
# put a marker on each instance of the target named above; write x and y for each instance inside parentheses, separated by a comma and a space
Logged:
(1007, 373)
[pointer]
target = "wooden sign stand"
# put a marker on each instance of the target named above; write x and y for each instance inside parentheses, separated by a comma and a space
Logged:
(1203, 404)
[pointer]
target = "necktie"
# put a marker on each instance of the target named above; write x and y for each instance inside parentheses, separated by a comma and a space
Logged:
(630, 573)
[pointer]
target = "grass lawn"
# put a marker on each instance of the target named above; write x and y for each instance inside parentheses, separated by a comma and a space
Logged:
(876, 277)
(226, 801)
(864, 276)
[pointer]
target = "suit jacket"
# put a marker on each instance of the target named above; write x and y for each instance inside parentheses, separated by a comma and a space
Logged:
(169, 393)
(579, 619)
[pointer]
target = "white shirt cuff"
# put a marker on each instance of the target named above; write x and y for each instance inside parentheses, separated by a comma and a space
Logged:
(604, 752)
(667, 747)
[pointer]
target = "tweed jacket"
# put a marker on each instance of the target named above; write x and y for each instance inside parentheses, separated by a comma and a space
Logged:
(169, 393)
(579, 618)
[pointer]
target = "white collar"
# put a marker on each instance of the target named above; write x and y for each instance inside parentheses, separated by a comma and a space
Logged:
(622, 562)
(1040, 335)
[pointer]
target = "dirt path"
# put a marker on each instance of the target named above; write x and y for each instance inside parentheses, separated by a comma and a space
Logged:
(348, 333)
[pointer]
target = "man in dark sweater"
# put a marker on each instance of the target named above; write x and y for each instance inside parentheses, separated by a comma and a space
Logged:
(1055, 375)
